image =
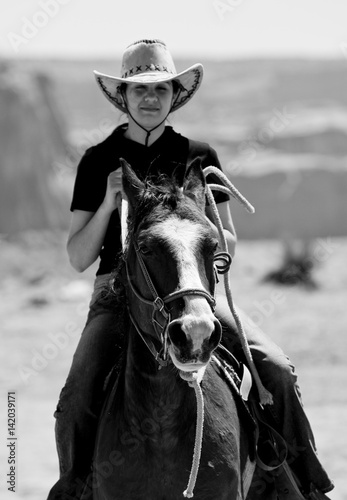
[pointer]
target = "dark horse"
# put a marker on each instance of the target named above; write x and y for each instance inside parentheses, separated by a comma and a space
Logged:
(146, 433)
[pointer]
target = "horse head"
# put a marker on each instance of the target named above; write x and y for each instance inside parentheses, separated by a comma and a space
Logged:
(169, 259)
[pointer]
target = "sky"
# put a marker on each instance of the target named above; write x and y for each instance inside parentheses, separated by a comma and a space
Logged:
(205, 28)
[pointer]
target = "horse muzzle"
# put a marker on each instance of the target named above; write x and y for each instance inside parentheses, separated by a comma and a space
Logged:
(192, 341)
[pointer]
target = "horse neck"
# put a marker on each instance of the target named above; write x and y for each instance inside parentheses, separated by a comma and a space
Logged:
(150, 391)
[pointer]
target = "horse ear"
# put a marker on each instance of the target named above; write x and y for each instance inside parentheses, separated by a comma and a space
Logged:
(194, 183)
(131, 183)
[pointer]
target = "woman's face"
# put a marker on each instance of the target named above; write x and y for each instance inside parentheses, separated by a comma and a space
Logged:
(149, 104)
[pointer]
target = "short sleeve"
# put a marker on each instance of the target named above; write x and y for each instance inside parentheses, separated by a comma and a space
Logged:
(90, 183)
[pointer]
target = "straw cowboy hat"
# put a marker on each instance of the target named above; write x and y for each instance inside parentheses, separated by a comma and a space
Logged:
(149, 61)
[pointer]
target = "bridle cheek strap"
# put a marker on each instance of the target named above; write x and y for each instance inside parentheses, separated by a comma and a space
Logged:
(159, 356)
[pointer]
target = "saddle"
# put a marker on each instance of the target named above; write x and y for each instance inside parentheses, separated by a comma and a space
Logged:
(273, 478)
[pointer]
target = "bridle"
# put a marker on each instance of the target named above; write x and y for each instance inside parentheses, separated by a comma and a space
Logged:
(161, 316)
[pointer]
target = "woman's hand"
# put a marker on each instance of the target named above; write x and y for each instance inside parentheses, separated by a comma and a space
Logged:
(114, 190)
(88, 229)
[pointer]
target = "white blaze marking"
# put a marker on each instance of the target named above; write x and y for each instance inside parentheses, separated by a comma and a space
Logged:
(183, 237)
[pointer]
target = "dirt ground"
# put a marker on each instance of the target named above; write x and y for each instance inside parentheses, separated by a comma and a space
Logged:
(43, 308)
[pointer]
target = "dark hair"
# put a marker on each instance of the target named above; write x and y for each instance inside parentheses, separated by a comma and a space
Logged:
(122, 88)
(175, 86)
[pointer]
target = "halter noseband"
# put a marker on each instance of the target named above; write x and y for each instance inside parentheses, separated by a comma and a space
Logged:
(159, 306)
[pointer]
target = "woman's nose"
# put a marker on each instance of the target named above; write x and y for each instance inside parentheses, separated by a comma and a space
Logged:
(151, 96)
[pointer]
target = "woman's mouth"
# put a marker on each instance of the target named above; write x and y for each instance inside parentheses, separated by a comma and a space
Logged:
(149, 110)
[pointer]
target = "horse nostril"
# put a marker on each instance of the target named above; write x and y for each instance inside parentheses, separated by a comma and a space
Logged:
(177, 335)
(177, 306)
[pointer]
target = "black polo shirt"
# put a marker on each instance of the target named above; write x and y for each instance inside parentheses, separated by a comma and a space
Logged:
(162, 157)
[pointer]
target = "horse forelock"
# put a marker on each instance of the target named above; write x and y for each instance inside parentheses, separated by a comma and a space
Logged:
(157, 201)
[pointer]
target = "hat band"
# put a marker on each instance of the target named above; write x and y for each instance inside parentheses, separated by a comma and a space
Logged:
(147, 67)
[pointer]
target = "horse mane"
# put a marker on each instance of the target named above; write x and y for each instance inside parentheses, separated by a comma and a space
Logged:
(116, 294)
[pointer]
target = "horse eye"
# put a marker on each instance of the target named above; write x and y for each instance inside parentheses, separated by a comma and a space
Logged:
(144, 250)
(213, 247)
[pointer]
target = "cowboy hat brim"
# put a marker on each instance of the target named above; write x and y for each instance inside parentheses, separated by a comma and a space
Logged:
(188, 80)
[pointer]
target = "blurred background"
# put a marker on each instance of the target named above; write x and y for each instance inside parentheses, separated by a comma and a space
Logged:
(273, 104)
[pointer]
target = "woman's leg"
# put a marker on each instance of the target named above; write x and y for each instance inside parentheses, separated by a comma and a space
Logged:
(81, 399)
(278, 376)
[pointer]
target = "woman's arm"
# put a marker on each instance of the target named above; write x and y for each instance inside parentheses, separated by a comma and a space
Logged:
(88, 229)
(227, 223)
(86, 237)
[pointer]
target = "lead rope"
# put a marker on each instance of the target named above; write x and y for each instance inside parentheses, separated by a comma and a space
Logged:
(265, 397)
(188, 492)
